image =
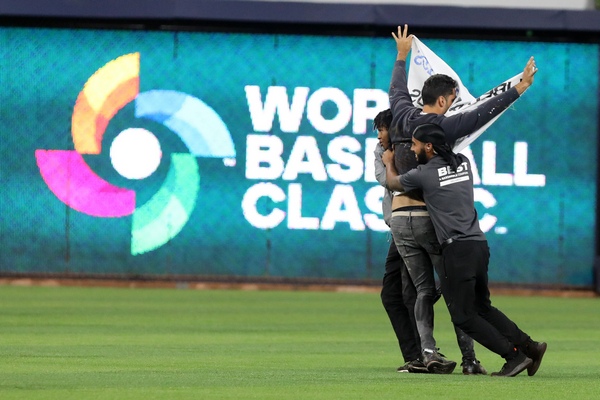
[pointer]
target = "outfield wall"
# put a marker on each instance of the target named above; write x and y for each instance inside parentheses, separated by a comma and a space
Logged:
(166, 153)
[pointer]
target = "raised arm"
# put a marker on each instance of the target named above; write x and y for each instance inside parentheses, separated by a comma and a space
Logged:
(463, 124)
(403, 43)
(527, 79)
(400, 99)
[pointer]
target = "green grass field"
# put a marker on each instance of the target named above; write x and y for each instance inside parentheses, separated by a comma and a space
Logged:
(111, 343)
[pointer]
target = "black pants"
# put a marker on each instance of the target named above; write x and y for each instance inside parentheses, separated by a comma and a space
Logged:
(464, 279)
(398, 296)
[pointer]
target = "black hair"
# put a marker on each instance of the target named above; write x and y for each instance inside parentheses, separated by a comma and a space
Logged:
(383, 119)
(430, 133)
(435, 86)
(434, 134)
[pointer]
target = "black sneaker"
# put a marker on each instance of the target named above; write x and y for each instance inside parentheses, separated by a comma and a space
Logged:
(403, 368)
(472, 367)
(436, 363)
(515, 365)
(535, 351)
(414, 366)
(417, 367)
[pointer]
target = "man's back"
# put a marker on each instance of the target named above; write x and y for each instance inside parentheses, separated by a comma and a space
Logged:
(449, 198)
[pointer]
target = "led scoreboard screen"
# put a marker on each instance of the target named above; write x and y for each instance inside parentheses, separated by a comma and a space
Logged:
(251, 155)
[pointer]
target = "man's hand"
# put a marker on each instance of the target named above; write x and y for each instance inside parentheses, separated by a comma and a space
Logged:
(391, 175)
(403, 42)
(387, 157)
(527, 79)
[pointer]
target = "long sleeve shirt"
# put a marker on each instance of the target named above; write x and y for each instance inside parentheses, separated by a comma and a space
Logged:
(380, 175)
(406, 117)
(449, 198)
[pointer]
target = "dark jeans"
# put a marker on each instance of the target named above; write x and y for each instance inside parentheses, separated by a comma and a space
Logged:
(398, 296)
(419, 248)
(417, 244)
(464, 279)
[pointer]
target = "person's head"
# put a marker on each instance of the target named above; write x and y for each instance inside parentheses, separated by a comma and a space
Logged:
(429, 140)
(439, 91)
(382, 123)
(423, 140)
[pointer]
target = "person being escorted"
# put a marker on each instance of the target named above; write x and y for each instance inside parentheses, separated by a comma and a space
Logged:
(446, 180)
(398, 294)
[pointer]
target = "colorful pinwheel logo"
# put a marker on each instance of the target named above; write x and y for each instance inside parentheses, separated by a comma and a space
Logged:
(135, 153)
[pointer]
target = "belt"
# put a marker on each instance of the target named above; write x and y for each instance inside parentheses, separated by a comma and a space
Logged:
(414, 213)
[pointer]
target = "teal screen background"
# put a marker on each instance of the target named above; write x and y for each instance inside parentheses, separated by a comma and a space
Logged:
(542, 234)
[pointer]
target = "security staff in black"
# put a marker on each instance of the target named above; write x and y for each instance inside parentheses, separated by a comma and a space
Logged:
(447, 184)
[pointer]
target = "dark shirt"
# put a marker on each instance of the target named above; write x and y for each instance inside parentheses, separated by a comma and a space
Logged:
(406, 117)
(449, 198)
(405, 160)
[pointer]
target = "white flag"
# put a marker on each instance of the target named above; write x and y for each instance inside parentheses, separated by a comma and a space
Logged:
(424, 63)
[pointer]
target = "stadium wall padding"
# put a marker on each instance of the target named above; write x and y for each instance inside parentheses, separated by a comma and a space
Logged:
(265, 164)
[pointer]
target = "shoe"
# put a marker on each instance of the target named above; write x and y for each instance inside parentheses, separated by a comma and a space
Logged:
(414, 366)
(535, 351)
(417, 367)
(403, 368)
(472, 367)
(514, 366)
(436, 363)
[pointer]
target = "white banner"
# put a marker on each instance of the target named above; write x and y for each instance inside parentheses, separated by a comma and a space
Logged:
(424, 63)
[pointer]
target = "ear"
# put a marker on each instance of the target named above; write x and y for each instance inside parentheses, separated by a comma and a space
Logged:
(441, 101)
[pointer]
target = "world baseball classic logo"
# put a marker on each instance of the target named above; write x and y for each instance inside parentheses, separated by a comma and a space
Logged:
(135, 153)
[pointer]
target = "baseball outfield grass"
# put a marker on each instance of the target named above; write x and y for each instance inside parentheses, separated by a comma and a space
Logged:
(115, 343)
